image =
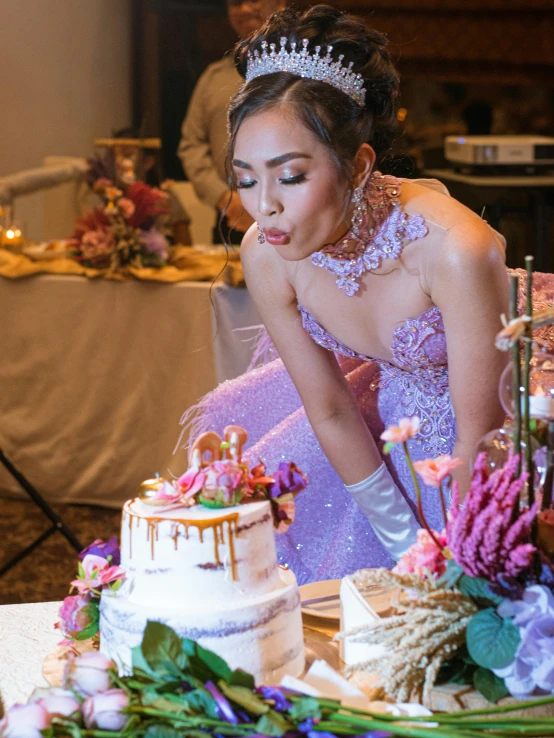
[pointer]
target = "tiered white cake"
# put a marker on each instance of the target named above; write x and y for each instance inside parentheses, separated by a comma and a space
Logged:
(212, 576)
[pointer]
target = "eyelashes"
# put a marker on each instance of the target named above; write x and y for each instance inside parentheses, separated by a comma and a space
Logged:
(298, 179)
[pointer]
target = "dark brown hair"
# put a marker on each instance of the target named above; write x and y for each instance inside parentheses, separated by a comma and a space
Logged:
(338, 122)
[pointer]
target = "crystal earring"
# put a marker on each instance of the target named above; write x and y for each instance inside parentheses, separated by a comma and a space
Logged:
(261, 237)
(359, 216)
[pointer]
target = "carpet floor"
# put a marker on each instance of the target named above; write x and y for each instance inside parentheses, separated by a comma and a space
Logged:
(45, 574)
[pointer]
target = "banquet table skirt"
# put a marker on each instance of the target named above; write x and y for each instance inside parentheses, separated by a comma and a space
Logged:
(95, 375)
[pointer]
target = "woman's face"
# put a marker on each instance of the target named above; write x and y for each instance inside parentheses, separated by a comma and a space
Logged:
(289, 184)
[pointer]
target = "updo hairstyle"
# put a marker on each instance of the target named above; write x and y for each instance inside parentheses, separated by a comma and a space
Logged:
(337, 121)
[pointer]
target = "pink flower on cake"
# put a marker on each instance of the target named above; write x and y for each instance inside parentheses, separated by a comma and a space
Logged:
(406, 428)
(126, 206)
(59, 702)
(74, 616)
(25, 721)
(434, 471)
(104, 711)
(88, 674)
(190, 483)
(424, 557)
(285, 516)
(95, 572)
(223, 478)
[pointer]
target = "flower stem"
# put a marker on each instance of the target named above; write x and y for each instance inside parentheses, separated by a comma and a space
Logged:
(516, 375)
(418, 498)
(526, 373)
(443, 505)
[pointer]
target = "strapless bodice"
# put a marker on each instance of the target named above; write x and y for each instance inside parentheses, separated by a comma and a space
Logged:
(418, 345)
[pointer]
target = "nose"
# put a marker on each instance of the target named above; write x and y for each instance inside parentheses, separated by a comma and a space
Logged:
(269, 204)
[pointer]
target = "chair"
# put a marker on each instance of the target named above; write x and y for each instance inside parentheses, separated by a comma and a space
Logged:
(202, 216)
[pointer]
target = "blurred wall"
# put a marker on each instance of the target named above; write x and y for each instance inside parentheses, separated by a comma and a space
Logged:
(65, 78)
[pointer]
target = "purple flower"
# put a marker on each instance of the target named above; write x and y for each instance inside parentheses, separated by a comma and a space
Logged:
(533, 666)
(223, 706)
(104, 549)
(275, 694)
(155, 243)
(287, 480)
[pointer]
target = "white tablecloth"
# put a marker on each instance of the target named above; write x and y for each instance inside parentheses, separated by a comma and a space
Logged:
(27, 636)
(95, 375)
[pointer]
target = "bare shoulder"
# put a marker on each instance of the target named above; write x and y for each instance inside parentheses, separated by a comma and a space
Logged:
(264, 270)
(435, 206)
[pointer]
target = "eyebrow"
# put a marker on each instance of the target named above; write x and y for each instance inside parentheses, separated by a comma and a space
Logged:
(275, 162)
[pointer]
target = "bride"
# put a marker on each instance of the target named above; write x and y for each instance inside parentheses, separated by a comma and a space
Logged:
(381, 296)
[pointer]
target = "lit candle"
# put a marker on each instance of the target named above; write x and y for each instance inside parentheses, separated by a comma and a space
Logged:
(12, 237)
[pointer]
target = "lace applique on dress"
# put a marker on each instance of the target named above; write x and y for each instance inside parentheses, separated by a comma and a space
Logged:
(351, 257)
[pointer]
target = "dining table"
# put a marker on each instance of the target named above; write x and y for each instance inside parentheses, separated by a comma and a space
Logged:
(95, 375)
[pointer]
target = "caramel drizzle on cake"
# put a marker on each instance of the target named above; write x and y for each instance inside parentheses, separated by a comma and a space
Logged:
(217, 525)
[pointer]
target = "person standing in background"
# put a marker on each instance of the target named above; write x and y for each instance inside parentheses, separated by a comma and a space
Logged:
(204, 137)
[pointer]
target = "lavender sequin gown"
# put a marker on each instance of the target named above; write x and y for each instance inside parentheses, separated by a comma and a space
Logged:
(330, 537)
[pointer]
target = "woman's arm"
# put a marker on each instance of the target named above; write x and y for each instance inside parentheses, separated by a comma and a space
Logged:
(329, 403)
(469, 285)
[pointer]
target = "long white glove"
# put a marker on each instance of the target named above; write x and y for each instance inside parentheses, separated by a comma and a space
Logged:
(385, 507)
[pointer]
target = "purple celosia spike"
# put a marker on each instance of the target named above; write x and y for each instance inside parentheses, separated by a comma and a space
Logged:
(519, 559)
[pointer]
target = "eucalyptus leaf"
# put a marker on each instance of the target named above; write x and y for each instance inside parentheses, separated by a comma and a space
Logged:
(305, 708)
(244, 697)
(161, 647)
(491, 686)
(241, 678)
(139, 663)
(478, 589)
(491, 640)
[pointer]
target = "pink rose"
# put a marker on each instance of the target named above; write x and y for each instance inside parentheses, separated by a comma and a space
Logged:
(406, 428)
(285, 515)
(191, 482)
(97, 243)
(56, 701)
(25, 721)
(104, 711)
(88, 674)
(73, 618)
(126, 206)
(423, 557)
(95, 572)
(223, 481)
(102, 183)
(433, 471)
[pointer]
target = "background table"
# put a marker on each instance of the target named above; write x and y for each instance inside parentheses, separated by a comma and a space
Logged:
(95, 375)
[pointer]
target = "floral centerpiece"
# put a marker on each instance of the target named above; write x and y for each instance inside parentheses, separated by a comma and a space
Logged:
(178, 688)
(124, 230)
(478, 603)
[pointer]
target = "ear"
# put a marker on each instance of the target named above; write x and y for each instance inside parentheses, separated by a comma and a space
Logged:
(364, 161)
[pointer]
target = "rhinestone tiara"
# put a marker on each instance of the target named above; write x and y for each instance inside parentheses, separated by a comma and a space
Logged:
(304, 64)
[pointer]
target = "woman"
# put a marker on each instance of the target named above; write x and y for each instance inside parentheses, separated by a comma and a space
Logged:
(363, 283)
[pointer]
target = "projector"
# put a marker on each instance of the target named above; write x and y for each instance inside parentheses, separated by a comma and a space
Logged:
(524, 153)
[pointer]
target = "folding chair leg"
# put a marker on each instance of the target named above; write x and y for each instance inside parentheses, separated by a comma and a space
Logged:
(58, 525)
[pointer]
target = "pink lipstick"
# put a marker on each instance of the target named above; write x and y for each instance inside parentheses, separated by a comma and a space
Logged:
(275, 237)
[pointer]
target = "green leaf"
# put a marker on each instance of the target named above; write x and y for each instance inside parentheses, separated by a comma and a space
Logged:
(162, 731)
(478, 589)
(219, 668)
(305, 708)
(202, 702)
(268, 725)
(387, 448)
(459, 669)
(491, 686)
(451, 576)
(491, 640)
(241, 678)
(161, 647)
(244, 697)
(139, 663)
